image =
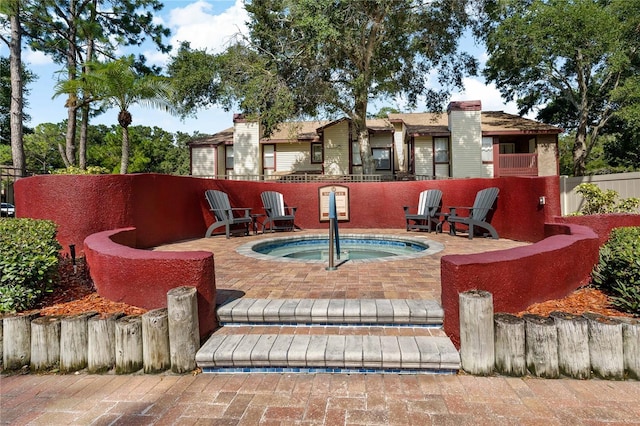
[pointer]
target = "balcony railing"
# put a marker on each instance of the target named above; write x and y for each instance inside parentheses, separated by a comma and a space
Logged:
(518, 165)
(312, 177)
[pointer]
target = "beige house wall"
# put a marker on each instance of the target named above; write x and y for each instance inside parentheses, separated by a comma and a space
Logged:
(295, 157)
(423, 149)
(547, 155)
(466, 144)
(246, 149)
(336, 149)
(203, 161)
(400, 148)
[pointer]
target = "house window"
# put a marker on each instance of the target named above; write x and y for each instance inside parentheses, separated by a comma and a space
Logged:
(228, 159)
(382, 158)
(487, 150)
(441, 146)
(355, 153)
(316, 153)
(268, 157)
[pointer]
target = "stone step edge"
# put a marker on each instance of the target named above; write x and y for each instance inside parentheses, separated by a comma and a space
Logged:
(434, 325)
(331, 311)
(328, 351)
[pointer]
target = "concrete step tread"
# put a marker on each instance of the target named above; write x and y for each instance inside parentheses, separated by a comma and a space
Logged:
(331, 311)
(321, 329)
(329, 351)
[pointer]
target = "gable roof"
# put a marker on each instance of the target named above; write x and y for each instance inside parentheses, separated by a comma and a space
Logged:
(498, 122)
(416, 124)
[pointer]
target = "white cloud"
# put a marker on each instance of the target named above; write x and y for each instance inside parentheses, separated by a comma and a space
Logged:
(35, 58)
(488, 94)
(197, 24)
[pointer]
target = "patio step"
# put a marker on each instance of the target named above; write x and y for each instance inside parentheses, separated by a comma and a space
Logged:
(327, 353)
(331, 311)
(329, 335)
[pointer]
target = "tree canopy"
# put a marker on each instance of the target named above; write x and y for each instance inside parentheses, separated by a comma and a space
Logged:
(579, 59)
(306, 58)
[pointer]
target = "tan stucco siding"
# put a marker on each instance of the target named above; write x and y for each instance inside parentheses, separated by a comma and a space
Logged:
(423, 148)
(466, 144)
(294, 157)
(400, 148)
(203, 161)
(547, 155)
(336, 149)
(246, 149)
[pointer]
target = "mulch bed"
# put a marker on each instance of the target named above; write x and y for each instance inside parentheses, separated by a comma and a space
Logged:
(75, 294)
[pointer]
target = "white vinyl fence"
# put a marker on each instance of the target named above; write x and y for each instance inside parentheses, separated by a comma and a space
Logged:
(625, 184)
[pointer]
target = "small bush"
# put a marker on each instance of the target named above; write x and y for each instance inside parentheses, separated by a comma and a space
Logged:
(618, 270)
(29, 255)
(597, 201)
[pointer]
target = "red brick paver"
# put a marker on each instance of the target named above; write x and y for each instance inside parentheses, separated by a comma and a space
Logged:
(319, 399)
(413, 279)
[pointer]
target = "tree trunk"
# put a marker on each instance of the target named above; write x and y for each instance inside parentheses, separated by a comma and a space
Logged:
(17, 102)
(124, 161)
(542, 346)
(84, 129)
(184, 338)
(477, 351)
(45, 343)
(511, 358)
(573, 345)
(156, 354)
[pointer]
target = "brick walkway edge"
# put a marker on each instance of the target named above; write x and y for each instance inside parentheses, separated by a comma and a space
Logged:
(313, 399)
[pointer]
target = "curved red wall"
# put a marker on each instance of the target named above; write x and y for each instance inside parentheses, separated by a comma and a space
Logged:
(142, 278)
(518, 277)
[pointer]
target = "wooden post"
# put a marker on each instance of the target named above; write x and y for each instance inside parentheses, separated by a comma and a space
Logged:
(573, 345)
(156, 354)
(510, 340)
(631, 346)
(16, 341)
(101, 356)
(128, 344)
(477, 351)
(184, 338)
(74, 342)
(542, 346)
(605, 347)
(45, 343)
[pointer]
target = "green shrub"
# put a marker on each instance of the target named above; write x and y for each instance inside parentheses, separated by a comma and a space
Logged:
(597, 201)
(73, 170)
(29, 255)
(618, 270)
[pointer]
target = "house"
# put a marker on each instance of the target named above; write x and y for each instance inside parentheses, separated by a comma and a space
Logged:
(461, 142)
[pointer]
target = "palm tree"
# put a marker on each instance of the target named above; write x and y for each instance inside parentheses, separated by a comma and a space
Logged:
(117, 84)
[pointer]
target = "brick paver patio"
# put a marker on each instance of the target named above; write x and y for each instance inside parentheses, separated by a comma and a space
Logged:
(414, 279)
(313, 399)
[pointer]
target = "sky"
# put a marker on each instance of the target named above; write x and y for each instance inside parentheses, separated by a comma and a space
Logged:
(206, 24)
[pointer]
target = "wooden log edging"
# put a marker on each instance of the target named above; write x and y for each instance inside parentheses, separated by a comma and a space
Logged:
(102, 343)
(561, 345)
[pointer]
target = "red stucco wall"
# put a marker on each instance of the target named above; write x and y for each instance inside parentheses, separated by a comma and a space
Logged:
(142, 278)
(518, 277)
(602, 224)
(166, 208)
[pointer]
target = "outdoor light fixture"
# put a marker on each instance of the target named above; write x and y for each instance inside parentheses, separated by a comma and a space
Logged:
(542, 200)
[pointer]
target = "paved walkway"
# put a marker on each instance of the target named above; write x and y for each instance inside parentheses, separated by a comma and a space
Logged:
(314, 399)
